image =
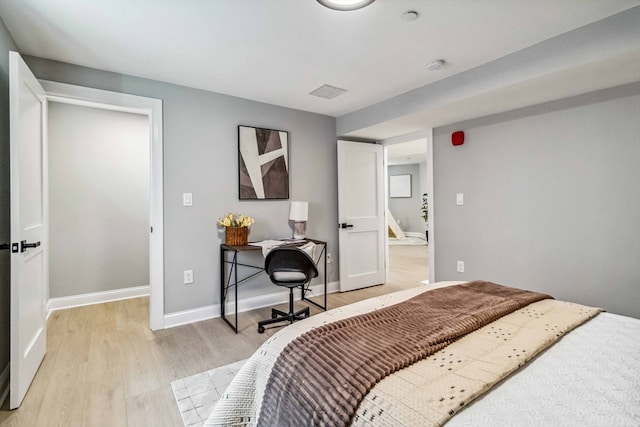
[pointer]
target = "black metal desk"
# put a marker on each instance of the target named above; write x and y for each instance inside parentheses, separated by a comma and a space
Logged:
(229, 279)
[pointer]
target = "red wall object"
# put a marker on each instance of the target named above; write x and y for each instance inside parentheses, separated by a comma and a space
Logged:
(457, 138)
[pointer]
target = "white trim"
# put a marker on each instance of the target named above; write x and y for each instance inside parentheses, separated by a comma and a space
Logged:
(61, 303)
(96, 98)
(407, 137)
(246, 304)
(4, 384)
(432, 211)
(428, 135)
(385, 168)
(415, 234)
(193, 315)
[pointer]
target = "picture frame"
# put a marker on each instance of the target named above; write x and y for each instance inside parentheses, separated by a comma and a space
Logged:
(400, 186)
(263, 163)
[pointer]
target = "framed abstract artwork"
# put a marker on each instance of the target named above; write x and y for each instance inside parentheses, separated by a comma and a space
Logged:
(263, 163)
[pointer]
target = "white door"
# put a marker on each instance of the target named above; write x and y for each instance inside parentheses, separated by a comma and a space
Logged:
(28, 230)
(361, 215)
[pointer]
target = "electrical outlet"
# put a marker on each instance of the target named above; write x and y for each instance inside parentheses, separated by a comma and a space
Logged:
(460, 266)
(188, 277)
(329, 259)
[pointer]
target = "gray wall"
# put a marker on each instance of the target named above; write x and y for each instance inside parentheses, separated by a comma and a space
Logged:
(407, 210)
(6, 44)
(98, 200)
(551, 203)
(200, 157)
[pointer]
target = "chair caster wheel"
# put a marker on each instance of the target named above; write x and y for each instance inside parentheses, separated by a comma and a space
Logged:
(273, 315)
(261, 329)
(306, 314)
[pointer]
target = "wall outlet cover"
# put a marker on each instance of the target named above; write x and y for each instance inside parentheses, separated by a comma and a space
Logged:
(188, 277)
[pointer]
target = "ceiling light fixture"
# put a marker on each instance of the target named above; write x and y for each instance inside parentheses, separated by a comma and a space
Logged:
(409, 15)
(345, 4)
(436, 65)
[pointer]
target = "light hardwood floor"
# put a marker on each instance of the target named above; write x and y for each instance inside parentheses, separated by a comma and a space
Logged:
(104, 367)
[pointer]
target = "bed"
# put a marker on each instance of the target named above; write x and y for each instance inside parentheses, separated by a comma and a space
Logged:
(534, 374)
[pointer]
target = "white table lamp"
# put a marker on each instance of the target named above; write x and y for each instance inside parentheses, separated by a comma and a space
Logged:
(299, 214)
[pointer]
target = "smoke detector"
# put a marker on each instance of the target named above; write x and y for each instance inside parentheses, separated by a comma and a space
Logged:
(328, 92)
(436, 65)
(409, 15)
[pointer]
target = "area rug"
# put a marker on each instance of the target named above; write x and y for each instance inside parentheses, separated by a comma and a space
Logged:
(197, 395)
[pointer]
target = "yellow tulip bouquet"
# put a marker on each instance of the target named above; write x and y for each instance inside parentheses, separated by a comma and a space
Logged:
(237, 221)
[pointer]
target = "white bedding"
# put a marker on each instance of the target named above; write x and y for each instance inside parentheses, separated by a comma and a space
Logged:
(530, 397)
(591, 377)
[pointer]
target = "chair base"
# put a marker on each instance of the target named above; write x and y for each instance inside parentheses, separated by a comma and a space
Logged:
(278, 316)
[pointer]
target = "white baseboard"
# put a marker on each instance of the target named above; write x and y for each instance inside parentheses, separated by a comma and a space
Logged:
(415, 234)
(193, 315)
(245, 304)
(4, 384)
(96, 298)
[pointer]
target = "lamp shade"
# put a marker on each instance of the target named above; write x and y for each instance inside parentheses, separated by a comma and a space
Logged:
(299, 211)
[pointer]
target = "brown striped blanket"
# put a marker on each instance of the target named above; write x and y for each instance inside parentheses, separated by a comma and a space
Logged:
(322, 376)
(430, 391)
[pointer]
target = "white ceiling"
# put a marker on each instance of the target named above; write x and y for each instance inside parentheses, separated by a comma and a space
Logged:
(583, 78)
(277, 51)
(414, 151)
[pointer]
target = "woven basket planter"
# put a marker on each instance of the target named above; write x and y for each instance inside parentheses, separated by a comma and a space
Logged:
(236, 236)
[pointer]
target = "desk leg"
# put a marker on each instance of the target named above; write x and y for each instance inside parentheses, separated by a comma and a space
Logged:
(326, 249)
(230, 278)
(235, 288)
(223, 268)
(304, 295)
(225, 283)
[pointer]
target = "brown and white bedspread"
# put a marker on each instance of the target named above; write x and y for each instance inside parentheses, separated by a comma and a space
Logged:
(427, 392)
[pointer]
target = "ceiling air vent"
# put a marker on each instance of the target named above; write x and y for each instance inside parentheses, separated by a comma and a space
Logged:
(327, 92)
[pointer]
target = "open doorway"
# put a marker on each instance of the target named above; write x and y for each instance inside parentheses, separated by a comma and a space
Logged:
(407, 210)
(99, 189)
(145, 115)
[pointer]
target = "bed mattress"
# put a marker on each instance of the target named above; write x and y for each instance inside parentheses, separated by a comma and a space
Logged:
(591, 377)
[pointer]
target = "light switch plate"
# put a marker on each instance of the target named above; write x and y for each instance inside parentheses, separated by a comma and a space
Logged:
(460, 199)
(187, 199)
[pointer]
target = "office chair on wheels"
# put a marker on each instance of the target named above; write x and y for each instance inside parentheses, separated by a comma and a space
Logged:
(290, 267)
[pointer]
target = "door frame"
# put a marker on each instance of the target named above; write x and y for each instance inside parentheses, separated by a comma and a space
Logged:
(428, 135)
(152, 108)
